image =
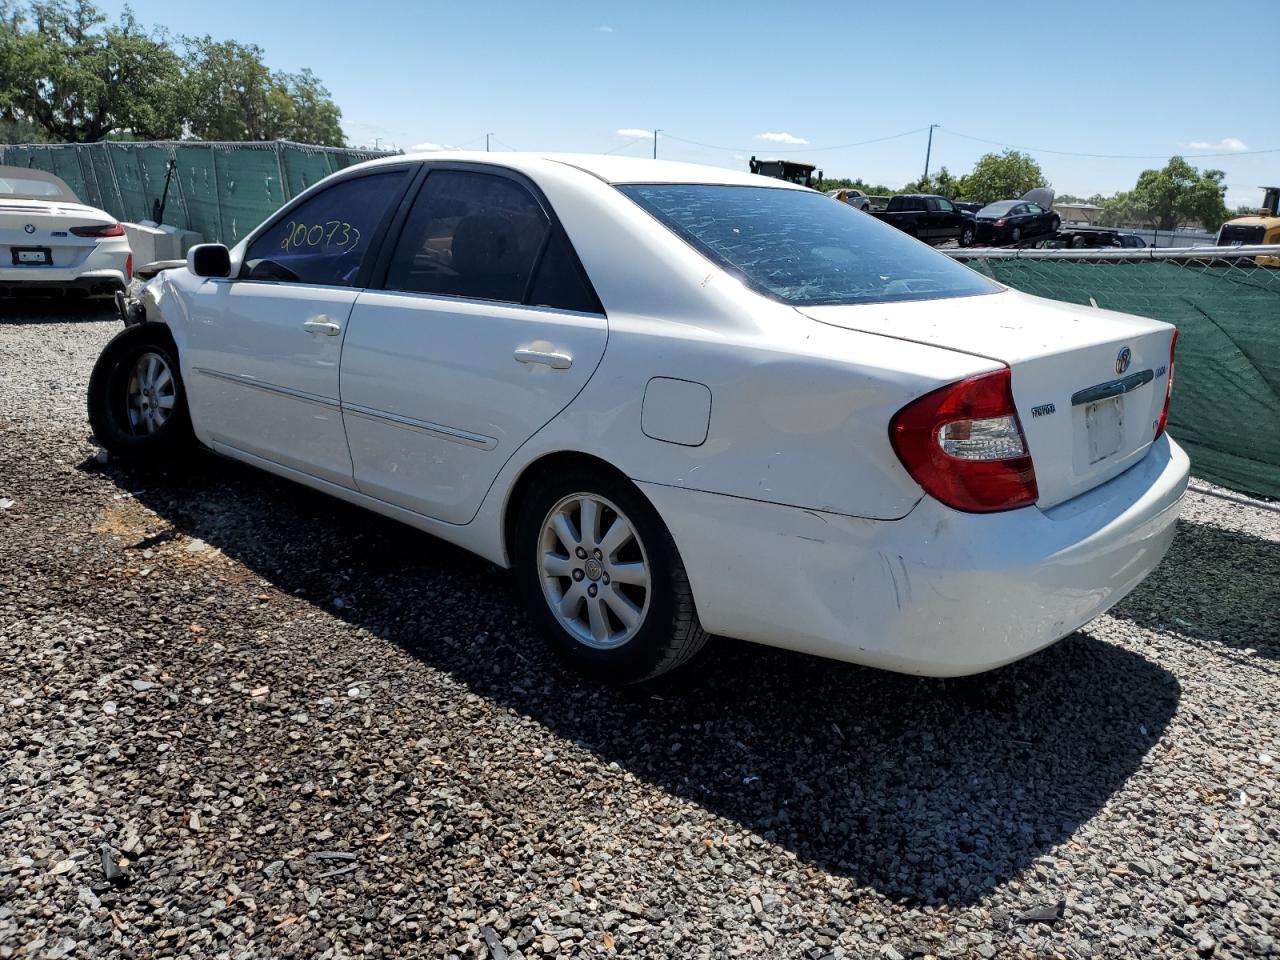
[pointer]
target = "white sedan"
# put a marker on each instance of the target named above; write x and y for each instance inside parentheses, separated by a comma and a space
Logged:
(677, 400)
(50, 242)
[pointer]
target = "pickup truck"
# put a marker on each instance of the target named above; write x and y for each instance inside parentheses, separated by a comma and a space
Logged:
(929, 218)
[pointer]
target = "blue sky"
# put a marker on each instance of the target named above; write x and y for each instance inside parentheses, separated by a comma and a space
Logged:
(1131, 78)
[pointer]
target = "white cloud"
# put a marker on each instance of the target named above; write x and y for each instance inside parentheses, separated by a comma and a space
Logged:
(428, 147)
(605, 28)
(1225, 145)
(781, 138)
(634, 132)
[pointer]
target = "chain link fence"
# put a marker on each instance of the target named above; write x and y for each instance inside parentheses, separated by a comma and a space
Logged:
(220, 190)
(1225, 302)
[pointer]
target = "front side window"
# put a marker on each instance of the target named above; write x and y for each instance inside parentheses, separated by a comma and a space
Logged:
(325, 239)
(945, 206)
(795, 247)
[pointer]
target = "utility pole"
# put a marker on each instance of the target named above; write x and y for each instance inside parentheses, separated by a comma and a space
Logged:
(655, 143)
(486, 142)
(928, 150)
(376, 142)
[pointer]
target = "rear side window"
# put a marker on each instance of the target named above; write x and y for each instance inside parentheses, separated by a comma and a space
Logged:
(559, 281)
(486, 237)
(325, 239)
(797, 247)
(469, 235)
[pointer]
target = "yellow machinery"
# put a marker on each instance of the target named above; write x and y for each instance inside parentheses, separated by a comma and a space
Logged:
(1262, 228)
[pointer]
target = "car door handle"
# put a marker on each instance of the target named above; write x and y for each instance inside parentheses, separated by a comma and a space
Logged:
(557, 361)
(321, 326)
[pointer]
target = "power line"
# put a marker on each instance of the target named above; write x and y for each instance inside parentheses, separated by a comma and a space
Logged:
(1107, 156)
(629, 143)
(806, 149)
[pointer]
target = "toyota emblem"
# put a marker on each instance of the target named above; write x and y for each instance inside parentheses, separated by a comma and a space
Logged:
(30, 228)
(1123, 358)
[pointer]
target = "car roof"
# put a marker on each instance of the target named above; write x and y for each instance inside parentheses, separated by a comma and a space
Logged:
(610, 169)
(40, 176)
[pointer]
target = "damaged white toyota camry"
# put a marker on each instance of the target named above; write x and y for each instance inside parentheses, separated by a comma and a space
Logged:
(677, 400)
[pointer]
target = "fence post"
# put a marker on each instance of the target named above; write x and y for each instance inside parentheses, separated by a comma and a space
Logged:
(97, 184)
(115, 181)
(285, 193)
(217, 194)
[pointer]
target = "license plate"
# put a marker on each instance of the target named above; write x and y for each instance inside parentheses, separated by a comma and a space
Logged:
(32, 257)
(1104, 425)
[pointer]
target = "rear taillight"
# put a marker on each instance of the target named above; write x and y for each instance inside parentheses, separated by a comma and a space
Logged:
(101, 230)
(964, 444)
(1168, 389)
(128, 267)
(1001, 222)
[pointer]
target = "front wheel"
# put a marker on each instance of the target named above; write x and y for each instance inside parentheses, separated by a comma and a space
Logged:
(966, 237)
(602, 577)
(137, 402)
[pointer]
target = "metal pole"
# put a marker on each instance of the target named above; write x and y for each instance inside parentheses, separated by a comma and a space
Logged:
(486, 142)
(928, 151)
(655, 144)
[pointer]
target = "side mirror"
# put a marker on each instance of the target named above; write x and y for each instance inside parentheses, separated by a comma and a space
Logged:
(209, 260)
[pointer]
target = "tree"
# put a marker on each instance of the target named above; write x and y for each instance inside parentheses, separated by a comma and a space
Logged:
(1002, 176)
(1175, 195)
(844, 183)
(941, 183)
(67, 74)
(235, 96)
(79, 79)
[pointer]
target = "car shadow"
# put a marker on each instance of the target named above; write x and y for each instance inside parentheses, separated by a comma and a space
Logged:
(928, 791)
(41, 310)
(1219, 587)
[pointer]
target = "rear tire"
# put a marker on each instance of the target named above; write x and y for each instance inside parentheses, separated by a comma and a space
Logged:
(137, 401)
(602, 578)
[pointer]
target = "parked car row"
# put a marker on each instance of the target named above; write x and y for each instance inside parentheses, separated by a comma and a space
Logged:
(928, 217)
(936, 219)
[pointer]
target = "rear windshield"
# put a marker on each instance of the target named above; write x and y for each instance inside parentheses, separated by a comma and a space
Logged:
(998, 209)
(798, 247)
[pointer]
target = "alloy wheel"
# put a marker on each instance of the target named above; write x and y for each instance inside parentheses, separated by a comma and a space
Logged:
(594, 571)
(150, 394)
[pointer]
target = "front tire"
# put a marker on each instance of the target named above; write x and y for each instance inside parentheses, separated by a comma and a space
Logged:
(602, 578)
(966, 237)
(137, 401)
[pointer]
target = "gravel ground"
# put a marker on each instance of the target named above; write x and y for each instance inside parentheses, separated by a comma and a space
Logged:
(241, 720)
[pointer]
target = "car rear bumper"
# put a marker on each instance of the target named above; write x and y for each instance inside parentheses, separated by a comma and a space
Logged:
(49, 283)
(939, 592)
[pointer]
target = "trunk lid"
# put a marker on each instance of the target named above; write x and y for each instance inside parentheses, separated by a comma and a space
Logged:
(1089, 384)
(46, 224)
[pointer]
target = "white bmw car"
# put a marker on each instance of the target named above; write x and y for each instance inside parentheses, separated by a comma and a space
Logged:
(50, 242)
(677, 400)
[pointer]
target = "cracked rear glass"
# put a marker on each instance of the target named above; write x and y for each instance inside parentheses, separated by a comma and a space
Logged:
(804, 248)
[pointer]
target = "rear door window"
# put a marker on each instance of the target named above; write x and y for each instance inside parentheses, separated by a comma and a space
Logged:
(325, 239)
(485, 237)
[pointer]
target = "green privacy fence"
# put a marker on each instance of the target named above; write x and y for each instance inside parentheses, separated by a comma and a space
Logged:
(1226, 305)
(220, 190)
